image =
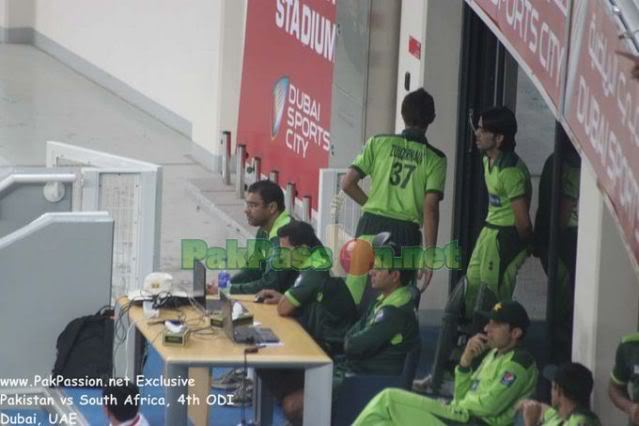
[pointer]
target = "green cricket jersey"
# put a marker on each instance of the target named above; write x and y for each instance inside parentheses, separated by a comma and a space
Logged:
(326, 308)
(580, 417)
(403, 168)
(506, 180)
(492, 390)
(379, 342)
(570, 177)
(626, 369)
(252, 280)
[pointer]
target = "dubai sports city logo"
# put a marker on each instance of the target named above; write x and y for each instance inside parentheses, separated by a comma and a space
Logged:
(280, 93)
(297, 119)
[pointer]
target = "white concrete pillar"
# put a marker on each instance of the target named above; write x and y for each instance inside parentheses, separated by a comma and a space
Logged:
(3, 15)
(412, 34)
(16, 21)
(230, 75)
(606, 293)
(19, 13)
(439, 20)
(588, 262)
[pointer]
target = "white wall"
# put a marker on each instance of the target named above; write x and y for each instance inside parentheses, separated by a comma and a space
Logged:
(166, 50)
(3, 13)
(413, 24)
(231, 57)
(606, 293)
(16, 13)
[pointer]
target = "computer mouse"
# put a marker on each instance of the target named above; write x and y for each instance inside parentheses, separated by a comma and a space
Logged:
(259, 299)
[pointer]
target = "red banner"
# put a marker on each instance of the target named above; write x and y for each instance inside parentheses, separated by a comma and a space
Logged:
(602, 109)
(536, 29)
(285, 100)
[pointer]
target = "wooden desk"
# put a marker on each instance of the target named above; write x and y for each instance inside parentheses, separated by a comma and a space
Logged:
(299, 350)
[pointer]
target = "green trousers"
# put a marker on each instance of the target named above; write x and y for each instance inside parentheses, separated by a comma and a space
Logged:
(356, 283)
(564, 293)
(496, 259)
(400, 407)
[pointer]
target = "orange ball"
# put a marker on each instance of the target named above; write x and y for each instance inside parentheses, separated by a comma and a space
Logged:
(357, 257)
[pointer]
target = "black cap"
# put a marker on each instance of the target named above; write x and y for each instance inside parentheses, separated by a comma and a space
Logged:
(573, 378)
(510, 312)
(384, 239)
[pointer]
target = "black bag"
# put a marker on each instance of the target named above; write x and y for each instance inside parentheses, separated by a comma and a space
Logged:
(85, 347)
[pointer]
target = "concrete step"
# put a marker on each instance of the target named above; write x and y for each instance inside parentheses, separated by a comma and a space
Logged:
(221, 202)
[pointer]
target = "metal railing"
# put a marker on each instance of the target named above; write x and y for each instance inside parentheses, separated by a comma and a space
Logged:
(19, 178)
(225, 141)
(240, 157)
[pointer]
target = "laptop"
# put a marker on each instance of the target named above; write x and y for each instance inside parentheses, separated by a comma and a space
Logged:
(199, 289)
(244, 333)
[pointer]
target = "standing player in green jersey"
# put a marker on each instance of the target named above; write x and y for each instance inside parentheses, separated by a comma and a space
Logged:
(408, 177)
(624, 373)
(564, 288)
(502, 246)
(485, 395)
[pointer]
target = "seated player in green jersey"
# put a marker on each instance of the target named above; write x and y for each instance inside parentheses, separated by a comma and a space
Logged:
(379, 342)
(264, 209)
(382, 337)
(502, 246)
(572, 385)
(487, 394)
(625, 374)
(320, 302)
(408, 176)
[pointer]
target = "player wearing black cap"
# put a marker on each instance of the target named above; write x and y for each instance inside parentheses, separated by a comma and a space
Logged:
(624, 373)
(488, 394)
(570, 399)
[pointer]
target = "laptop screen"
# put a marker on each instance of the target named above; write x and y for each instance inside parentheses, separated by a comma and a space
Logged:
(199, 283)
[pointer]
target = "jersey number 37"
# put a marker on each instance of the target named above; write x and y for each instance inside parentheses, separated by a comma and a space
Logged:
(400, 170)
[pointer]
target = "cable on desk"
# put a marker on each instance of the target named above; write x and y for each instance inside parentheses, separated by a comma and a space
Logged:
(123, 325)
(126, 369)
(120, 331)
(249, 350)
